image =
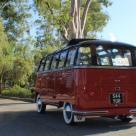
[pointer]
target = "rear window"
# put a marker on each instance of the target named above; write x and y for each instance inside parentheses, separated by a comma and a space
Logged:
(116, 56)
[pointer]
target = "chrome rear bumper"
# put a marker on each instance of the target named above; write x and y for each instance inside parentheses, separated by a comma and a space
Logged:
(105, 112)
(91, 113)
(132, 111)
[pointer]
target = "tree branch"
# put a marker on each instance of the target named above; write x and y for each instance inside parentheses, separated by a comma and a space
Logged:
(73, 23)
(72, 11)
(4, 5)
(84, 16)
(65, 34)
(79, 19)
(48, 5)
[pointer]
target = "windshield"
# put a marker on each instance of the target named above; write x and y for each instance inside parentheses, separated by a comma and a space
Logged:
(115, 56)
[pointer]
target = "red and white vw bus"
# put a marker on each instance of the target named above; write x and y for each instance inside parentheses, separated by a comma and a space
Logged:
(89, 78)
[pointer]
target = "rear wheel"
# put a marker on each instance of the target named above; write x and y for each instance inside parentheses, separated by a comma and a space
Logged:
(125, 119)
(40, 105)
(68, 114)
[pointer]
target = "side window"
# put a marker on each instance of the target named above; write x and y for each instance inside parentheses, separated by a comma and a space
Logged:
(84, 56)
(62, 59)
(55, 61)
(48, 62)
(42, 64)
(71, 57)
(102, 56)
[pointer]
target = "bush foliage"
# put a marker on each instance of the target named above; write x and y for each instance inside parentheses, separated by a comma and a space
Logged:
(17, 91)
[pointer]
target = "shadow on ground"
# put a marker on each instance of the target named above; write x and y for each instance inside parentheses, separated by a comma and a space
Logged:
(30, 123)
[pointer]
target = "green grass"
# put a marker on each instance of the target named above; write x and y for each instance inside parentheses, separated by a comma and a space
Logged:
(17, 91)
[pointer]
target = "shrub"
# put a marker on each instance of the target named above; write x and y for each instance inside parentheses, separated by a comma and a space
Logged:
(17, 91)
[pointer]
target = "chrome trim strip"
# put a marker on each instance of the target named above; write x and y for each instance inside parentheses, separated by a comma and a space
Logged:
(105, 67)
(132, 110)
(91, 112)
(86, 67)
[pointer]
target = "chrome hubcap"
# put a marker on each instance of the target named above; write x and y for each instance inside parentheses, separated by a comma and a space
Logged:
(67, 113)
(39, 105)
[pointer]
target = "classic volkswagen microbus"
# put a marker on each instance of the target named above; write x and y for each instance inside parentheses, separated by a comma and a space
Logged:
(89, 78)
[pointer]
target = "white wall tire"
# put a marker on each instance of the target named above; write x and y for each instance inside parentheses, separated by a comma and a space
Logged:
(40, 105)
(68, 113)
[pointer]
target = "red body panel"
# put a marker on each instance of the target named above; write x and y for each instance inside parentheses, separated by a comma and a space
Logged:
(64, 87)
(56, 86)
(89, 89)
(96, 85)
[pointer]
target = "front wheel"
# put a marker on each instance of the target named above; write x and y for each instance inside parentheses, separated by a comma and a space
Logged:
(68, 113)
(40, 105)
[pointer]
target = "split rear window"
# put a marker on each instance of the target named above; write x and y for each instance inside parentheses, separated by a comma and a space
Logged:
(113, 56)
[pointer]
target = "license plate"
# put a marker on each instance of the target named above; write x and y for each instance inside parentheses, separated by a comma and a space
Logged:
(116, 98)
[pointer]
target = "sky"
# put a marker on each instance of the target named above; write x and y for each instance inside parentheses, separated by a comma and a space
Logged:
(122, 24)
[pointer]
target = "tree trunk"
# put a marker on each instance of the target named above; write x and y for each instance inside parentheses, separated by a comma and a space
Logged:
(73, 15)
(84, 16)
(77, 24)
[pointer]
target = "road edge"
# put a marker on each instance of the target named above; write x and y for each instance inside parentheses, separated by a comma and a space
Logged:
(17, 98)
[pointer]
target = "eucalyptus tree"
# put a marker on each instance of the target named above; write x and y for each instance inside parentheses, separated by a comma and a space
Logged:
(74, 18)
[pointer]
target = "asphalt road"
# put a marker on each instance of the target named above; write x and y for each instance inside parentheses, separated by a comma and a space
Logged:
(19, 118)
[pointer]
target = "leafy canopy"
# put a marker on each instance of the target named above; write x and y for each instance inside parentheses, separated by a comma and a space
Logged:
(57, 18)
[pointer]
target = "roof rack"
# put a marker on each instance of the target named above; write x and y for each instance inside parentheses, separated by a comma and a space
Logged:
(76, 41)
